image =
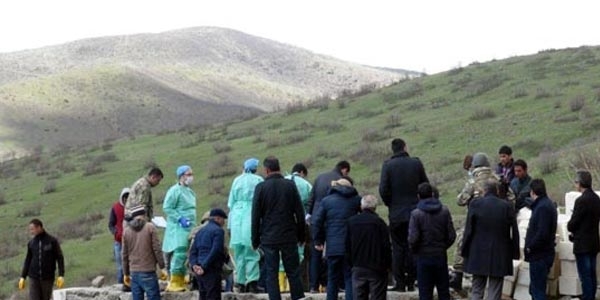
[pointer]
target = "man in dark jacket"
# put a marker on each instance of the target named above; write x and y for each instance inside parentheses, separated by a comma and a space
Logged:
(491, 242)
(400, 178)
(540, 239)
(368, 251)
(520, 185)
(505, 170)
(319, 191)
(207, 255)
(329, 227)
(115, 225)
(278, 227)
(43, 255)
(430, 234)
(584, 229)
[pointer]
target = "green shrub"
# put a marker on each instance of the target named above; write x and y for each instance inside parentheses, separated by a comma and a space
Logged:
(49, 187)
(577, 103)
(483, 113)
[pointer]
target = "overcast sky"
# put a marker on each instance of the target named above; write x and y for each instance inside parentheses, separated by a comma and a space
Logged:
(420, 35)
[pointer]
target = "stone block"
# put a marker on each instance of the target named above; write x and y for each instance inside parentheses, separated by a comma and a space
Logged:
(98, 281)
(522, 292)
(565, 251)
(523, 278)
(508, 288)
(568, 268)
(570, 198)
(555, 269)
(569, 286)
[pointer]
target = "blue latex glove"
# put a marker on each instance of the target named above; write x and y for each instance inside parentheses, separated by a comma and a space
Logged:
(184, 222)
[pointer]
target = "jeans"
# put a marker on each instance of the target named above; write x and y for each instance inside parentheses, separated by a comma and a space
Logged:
(586, 268)
(144, 282)
(40, 288)
(291, 264)
(538, 272)
(337, 268)
(367, 282)
(403, 266)
(209, 285)
(117, 250)
(432, 271)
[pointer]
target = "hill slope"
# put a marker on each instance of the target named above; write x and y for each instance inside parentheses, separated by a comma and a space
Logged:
(546, 106)
(111, 87)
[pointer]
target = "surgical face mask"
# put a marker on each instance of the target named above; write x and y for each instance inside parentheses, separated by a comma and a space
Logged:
(188, 180)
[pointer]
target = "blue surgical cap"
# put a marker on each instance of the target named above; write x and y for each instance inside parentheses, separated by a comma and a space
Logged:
(182, 169)
(250, 165)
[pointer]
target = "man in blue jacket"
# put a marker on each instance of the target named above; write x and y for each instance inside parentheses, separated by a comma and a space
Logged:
(540, 238)
(207, 256)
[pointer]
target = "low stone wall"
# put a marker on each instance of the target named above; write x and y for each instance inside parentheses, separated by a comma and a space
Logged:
(114, 293)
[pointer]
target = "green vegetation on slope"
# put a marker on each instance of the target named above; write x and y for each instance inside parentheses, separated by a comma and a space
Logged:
(545, 106)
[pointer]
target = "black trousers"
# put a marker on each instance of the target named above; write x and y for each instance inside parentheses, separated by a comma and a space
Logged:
(367, 282)
(209, 285)
(40, 289)
(403, 265)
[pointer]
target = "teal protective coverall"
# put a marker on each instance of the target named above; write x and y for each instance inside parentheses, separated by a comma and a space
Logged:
(180, 201)
(240, 224)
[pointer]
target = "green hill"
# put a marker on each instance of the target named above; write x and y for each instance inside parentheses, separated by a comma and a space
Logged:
(112, 87)
(546, 106)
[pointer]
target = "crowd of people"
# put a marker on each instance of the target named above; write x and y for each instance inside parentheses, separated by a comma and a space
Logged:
(284, 234)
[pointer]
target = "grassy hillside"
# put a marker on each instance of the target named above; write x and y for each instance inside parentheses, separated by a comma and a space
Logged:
(546, 106)
(114, 87)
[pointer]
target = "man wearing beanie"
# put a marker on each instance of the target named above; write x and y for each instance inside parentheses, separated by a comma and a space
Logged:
(180, 209)
(240, 208)
(141, 253)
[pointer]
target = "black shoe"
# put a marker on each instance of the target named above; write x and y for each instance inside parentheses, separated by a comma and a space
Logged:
(125, 289)
(410, 288)
(456, 281)
(252, 287)
(239, 287)
(397, 288)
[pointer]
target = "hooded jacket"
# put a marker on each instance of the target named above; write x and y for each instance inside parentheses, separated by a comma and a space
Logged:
(43, 254)
(430, 230)
(330, 221)
(141, 247)
(117, 214)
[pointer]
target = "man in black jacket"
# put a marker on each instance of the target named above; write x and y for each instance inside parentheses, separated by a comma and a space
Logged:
(43, 255)
(368, 251)
(584, 229)
(490, 242)
(400, 178)
(278, 227)
(430, 234)
(540, 238)
(319, 191)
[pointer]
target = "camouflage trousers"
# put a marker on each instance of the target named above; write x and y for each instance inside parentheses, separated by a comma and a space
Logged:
(458, 259)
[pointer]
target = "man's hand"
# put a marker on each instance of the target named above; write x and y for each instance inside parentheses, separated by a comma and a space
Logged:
(22, 283)
(307, 219)
(60, 282)
(319, 247)
(163, 274)
(127, 280)
(198, 270)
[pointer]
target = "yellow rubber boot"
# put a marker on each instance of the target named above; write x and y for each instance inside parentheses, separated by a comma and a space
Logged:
(282, 282)
(176, 284)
